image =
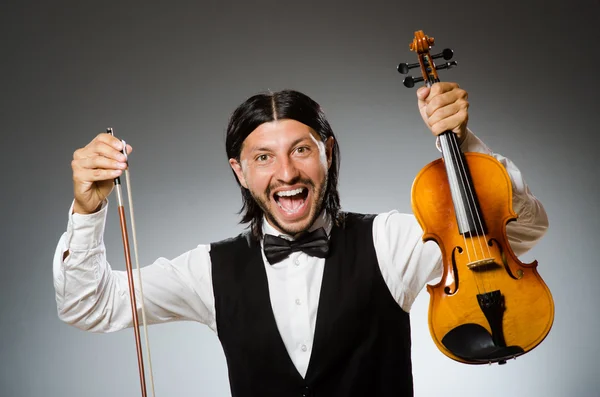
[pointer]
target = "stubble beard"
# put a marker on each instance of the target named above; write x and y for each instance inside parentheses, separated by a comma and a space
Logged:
(317, 205)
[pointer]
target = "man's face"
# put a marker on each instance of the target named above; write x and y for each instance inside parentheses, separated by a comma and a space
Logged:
(284, 165)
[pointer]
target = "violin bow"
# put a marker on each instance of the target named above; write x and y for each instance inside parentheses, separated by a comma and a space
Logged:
(129, 268)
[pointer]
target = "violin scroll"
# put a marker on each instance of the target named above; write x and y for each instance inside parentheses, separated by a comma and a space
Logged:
(421, 44)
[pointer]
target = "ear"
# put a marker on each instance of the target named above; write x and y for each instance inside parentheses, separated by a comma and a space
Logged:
(329, 150)
(237, 168)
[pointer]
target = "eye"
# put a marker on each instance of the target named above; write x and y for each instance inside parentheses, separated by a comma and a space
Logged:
(261, 158)
(303, 150)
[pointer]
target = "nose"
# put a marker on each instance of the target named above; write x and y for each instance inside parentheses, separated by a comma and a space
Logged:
(287, 172)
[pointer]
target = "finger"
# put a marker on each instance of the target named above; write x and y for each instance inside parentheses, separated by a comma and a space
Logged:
(100, 162)
(96, 174)
(96, 168)
(445, 99)
(109, 139)
(441, 88)
(421, 104)
(447, 111)
(422, 93)
(112, 141)
(454, 123)
(109, 151)
(98, 147)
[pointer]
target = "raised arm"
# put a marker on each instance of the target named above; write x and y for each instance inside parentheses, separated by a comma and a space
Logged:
(89, 293)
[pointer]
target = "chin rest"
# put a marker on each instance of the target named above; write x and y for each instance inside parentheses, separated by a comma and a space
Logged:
(474, 343)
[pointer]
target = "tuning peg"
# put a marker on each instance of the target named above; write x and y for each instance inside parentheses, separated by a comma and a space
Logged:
(410, 81)
(447, 65)
(405, 67)
(447, 54)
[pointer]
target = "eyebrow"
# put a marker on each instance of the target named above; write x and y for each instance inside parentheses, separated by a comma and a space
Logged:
(267, 149)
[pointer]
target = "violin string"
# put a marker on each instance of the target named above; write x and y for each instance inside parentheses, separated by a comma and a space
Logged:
(477, 216)
(137, 265)
(462, 176)
(448, 151)
(452, 181)
(469, 190)
(455, 150)
(455, 187)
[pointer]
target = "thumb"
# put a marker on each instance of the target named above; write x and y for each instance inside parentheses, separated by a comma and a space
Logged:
(422, 93)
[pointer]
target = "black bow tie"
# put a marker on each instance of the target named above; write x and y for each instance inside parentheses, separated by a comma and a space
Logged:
(314, 243)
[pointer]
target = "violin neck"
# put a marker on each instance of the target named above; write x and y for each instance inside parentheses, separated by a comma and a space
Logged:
(463, 196)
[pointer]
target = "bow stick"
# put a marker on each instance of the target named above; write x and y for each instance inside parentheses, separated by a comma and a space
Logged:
(124, 234)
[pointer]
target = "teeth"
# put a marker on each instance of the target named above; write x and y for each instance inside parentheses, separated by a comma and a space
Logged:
(288, 193)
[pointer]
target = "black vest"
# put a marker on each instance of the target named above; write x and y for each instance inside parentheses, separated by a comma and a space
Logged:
(362, 337)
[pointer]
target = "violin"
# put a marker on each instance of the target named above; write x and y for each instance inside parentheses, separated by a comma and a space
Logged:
(488, 306)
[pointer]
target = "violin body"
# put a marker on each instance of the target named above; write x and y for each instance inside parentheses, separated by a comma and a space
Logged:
(488, 305)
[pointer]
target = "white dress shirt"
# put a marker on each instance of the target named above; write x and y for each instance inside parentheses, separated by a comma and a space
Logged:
(92, 296)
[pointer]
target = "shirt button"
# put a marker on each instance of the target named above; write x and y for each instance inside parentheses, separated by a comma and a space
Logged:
(297, 262)
(304, 348)
(298, 301)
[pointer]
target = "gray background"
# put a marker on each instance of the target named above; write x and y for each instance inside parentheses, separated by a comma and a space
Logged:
(166, 77)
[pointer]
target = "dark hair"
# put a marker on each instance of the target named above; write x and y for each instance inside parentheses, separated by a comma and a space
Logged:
(267, 107)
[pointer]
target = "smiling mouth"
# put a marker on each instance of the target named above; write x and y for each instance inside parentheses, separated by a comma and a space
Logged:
(291, 201)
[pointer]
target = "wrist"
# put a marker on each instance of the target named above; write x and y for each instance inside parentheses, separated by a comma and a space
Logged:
(83, 210)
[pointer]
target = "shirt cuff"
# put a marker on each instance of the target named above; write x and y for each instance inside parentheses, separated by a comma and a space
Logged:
(86, 231)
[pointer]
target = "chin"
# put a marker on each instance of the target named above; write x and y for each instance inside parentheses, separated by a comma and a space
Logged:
(290, 225)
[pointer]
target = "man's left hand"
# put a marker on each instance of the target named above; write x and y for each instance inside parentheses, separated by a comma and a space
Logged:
(444, 106)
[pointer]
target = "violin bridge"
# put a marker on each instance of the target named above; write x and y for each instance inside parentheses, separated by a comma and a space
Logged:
(482, 264)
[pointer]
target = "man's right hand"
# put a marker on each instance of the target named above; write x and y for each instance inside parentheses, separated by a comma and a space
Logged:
(94, 168)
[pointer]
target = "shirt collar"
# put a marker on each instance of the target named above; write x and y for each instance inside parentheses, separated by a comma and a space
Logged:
(323, 220)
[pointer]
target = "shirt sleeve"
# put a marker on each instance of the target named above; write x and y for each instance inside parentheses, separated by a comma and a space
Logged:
(90, 295)
(407, 263)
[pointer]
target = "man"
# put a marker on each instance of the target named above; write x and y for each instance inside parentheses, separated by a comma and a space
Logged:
(330, 322)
